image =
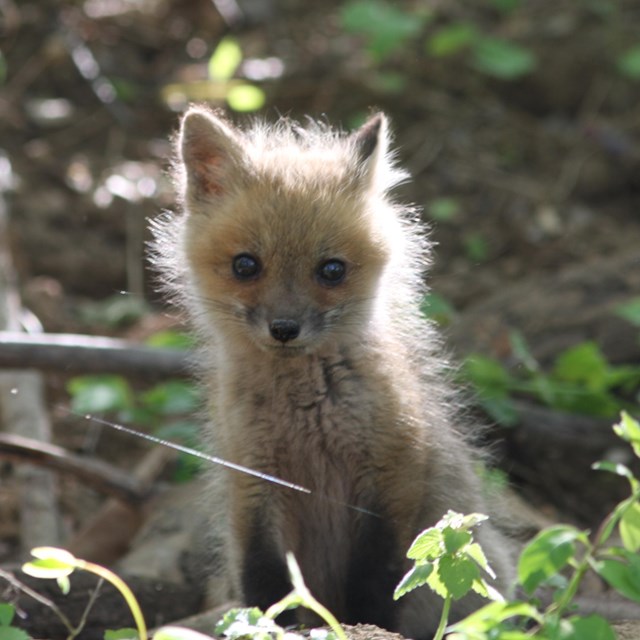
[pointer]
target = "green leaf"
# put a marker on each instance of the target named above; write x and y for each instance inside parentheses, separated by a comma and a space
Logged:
(455, 539)
(584, 364)
(487, 617)
(7, 611)
(629, 430)
(172, 398)
(630, 310)
(457, 574)
(64, 583)
(437, 308)
(171, 340)
(122, 634)
(246, 97)
(629, 63)
(383, 24)
(506, 6)
(451, 39)
(488, 376)
(414, 578)
(502, 59)
(11, 633)
(548, 553)
(613, 467)
(476, 247)
(591, 627)
(225, 59)
(630, 527)
(243, 623)
(428, 545)
(501, 410)
(624, 577)
(177, 633)
(522, 352)
(475, 552)
(100, 394)
(443, 209)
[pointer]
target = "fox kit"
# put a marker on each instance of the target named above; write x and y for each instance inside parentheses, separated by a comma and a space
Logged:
(303, 279)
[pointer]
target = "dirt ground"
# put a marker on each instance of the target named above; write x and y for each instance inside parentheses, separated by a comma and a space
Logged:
(530, 186)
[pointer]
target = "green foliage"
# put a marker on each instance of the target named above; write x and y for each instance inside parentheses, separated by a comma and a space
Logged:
(443, 209)
(501, 59)
(59, 564)
(448, 560)
(475, 247)
(166, 407)
(581, 381)
(630, 311)
(121, 634)
(100, 394)
(115, 312)
(546, 555)
(7, 630)
(437, 308)
(225, 59)
(384, 27)
(629, 63)
(557, 559)
(451, 39)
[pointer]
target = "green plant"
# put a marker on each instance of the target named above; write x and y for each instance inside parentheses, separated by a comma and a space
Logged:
(58, 564)
(556, 559)
(580, 381)
(384, 27)
(448, 560)
(243, 623)
(221, 85)
(166, 407)
(7, 630)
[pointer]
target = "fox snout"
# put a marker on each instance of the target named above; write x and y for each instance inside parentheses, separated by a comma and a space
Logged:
(284, 329)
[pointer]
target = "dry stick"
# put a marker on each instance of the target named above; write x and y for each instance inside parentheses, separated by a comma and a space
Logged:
(100, 475)
(17, 584)
(70, 353)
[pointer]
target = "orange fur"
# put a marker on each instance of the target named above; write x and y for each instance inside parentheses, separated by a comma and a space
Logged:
(338, 386)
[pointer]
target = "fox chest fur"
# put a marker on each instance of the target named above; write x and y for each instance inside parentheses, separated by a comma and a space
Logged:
(303, 280)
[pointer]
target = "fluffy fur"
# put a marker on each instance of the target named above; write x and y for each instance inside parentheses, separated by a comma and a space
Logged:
(318, 365)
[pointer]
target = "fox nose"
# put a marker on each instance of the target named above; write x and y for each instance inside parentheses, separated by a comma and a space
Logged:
(283, 330)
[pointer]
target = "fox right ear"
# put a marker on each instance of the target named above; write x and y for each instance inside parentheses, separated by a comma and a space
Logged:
(211, 154)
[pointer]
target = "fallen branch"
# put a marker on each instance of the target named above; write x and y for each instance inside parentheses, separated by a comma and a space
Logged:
(71, 353)
(101, 476)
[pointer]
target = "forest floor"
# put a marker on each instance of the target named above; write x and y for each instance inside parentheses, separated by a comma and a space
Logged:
(530, 186)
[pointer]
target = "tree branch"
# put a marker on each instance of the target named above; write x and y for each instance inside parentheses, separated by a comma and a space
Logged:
(70, 353)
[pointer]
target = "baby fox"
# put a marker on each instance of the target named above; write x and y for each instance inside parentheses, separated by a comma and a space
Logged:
(303, 278)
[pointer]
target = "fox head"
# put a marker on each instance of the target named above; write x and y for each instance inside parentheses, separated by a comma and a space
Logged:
(288, 233)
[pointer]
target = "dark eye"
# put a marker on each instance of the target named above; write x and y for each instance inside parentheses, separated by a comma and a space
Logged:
(245, 266)
(331, 272)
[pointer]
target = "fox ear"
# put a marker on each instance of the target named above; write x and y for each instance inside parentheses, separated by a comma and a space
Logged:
(370, 143)
(212, 156)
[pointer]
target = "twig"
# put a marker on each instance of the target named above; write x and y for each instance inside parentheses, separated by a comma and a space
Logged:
(17, 584)
(86, 354)
(98, 474)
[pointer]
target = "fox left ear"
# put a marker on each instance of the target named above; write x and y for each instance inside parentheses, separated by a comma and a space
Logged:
(370, 143)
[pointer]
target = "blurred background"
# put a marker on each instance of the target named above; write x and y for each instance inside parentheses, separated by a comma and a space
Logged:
(518, 120)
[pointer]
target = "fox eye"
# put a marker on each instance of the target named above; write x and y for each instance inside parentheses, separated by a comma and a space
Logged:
(246, 266)
(331, 272)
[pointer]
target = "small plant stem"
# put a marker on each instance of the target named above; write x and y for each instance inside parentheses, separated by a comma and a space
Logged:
(328, 617)
(444, 618)
(123, 588)
(14, 582)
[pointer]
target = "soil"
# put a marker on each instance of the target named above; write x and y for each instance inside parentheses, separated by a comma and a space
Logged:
(539, 175)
